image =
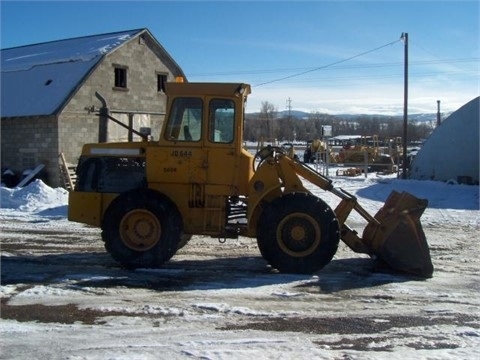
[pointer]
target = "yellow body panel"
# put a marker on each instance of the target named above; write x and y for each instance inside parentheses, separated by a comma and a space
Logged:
(88, 207)
(198, 176)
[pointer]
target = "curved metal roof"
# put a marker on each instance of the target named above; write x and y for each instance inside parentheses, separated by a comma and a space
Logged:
(452, 150)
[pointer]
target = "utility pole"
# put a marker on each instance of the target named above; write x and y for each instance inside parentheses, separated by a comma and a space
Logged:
(404, 37)
(439, 119)
(289, 107)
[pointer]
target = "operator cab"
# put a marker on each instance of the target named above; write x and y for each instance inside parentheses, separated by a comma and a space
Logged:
(202, 138)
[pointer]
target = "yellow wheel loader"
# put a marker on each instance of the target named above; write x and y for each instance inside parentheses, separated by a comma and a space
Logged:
(149, 197)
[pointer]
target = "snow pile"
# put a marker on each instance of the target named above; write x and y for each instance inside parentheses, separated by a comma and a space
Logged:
(36, 197)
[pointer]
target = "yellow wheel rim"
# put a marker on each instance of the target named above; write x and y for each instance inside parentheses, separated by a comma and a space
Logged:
(140, 230)
(298, 234)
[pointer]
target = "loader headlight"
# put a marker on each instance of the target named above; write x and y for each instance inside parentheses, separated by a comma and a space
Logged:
(240, 90)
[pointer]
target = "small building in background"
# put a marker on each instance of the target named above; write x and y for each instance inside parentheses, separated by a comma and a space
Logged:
(451, 153)
(48, 94)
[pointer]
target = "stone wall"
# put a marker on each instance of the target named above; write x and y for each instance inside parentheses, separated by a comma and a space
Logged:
(28, 142)
(78, 126)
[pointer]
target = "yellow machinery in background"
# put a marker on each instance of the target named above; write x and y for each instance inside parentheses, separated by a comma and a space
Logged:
(362, 152)
(316, 152)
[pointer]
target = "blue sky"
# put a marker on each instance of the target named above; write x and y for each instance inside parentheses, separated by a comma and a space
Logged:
(349, 52)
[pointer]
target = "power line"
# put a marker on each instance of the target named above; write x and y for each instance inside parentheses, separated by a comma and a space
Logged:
(432, 54)
(350, 77)
(355, 66)
(328, 65)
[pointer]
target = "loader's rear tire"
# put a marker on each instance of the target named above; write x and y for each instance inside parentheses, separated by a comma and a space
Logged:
(298, 233)
(142, 229)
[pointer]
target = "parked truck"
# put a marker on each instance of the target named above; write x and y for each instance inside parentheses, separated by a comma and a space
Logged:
(149, 197)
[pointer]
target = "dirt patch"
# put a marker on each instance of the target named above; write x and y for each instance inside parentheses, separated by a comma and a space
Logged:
(353, 325)
(383, 343)
(62, 314)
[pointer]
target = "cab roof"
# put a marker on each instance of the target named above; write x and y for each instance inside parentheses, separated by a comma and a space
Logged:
(209, 89)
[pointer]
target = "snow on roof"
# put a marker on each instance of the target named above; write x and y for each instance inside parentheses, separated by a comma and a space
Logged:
(37, 79)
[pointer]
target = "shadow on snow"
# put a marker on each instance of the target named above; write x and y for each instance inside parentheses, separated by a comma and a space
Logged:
(97, 270)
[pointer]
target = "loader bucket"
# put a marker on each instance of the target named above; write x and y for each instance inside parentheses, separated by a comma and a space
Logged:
(398, 241)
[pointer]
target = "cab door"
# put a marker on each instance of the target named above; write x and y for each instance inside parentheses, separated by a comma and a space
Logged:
(223, 157)
(177, 167)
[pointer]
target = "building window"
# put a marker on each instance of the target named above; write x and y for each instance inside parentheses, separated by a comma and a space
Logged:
(121, 77)
(161, 81)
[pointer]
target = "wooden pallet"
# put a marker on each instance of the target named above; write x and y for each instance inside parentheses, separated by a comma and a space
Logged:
(67, 173)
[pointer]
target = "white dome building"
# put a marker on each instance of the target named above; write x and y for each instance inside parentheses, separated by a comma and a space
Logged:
(451, 153)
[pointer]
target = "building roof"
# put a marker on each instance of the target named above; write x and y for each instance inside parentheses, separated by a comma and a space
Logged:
(38, 79)
(452, 150)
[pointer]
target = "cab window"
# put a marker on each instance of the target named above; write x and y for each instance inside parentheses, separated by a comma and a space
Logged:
(185, 121)
(221, 121)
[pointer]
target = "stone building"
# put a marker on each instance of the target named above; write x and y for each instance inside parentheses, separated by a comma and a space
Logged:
(48, 101)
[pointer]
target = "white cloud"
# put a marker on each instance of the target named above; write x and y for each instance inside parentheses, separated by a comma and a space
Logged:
(384, 99)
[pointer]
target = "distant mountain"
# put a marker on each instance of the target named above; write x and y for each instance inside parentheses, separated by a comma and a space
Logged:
(302, 115)
(294, 113)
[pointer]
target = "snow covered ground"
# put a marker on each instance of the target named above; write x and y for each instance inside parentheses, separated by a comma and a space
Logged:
(63, 297)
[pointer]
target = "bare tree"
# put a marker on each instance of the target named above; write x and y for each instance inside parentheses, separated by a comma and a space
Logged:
(266, 125)
(267, 114)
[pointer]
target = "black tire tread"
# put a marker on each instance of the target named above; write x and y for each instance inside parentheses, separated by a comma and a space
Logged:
(168, 216)
(275, 211)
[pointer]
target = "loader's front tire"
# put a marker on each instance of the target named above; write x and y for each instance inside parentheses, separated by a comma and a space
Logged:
(184, 241)
(141, 229)
(298, 233)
